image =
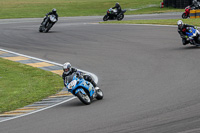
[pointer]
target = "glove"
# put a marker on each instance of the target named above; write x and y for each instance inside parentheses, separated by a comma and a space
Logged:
(184, 37)
(79, 75)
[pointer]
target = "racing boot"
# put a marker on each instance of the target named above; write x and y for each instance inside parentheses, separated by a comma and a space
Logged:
(185, 41)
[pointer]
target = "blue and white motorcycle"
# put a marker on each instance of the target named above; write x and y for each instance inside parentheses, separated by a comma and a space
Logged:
(193, 36)
(83, 89)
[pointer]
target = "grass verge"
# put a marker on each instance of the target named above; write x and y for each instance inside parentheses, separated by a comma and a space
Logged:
(38, 8)
(21, 85)
(158, 22)
(153, 10)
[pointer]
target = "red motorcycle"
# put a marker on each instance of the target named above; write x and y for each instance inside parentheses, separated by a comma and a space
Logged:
(186, 14)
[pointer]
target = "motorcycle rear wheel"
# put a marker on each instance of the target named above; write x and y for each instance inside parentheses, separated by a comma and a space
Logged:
(120, 17)
(83, 98)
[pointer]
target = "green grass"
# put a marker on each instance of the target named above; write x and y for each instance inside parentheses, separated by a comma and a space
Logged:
(38, 8)
(22, 85)
(151, 10)
(159, 22)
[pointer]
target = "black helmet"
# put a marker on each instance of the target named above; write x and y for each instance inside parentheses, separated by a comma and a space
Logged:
(54, 10)
(117, 4)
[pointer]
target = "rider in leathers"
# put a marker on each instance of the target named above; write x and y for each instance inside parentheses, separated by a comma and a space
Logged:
(118, 7)
(195, 4)
(182, 28)
(68, 71)
(53, 12)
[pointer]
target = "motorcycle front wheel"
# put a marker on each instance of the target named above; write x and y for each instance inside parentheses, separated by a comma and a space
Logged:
(40, 29)
(84, 98)
(198, 40)
(105, 18)
(184, 16)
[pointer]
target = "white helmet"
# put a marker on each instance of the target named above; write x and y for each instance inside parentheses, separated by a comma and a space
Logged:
(180, 23)
(194, 1)
(67, 68)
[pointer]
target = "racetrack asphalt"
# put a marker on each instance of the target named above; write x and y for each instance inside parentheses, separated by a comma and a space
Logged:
(150, 81)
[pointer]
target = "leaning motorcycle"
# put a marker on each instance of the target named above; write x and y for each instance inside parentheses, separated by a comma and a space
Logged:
(186, 14)
(193, 36)
(112, 15)
(48, 23)
(82, 89)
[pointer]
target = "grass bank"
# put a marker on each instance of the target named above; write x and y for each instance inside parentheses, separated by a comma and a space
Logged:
(22, 85)
(38, 8)
(159, 22)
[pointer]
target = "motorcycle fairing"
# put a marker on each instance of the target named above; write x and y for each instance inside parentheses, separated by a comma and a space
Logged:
(77, 85)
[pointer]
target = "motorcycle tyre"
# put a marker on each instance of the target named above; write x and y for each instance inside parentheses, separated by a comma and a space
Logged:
(40, 29)
(105, 18)
(184, 16)
(120, 17)
(198, 40)
(48, 27)
(99, 94)
(86, 102)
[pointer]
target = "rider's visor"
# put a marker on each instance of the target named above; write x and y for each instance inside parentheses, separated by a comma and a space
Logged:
(66, 70)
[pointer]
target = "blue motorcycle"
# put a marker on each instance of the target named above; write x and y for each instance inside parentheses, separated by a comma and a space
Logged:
(193, 36)
(83, 89)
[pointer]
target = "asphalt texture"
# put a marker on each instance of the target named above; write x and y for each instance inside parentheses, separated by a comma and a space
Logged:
(149, 79)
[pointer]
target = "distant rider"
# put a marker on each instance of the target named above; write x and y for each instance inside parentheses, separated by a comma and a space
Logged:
(118, 7)
(182, 28)
(53, 12)
(68, 70)
(195, 4)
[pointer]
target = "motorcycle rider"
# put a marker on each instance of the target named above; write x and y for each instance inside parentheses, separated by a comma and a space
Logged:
(118, 7)
(182, 28)
(68, 70)
(195, 4)
(53, 12)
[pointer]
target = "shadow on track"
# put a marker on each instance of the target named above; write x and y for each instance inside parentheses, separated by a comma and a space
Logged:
(78, 103)
(187, 48)
(50, 32)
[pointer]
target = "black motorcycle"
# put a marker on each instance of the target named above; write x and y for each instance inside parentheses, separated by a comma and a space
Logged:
(47, 24)
(112, 15)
